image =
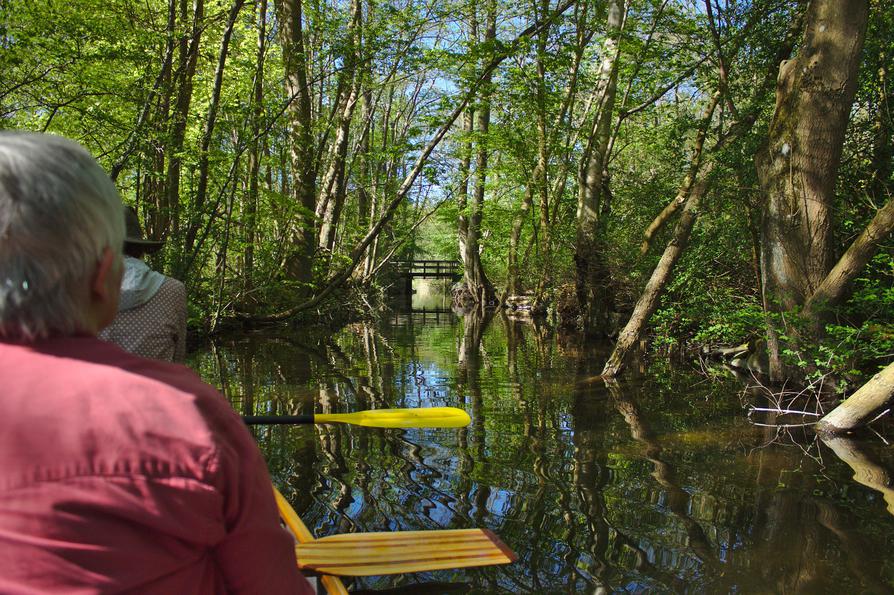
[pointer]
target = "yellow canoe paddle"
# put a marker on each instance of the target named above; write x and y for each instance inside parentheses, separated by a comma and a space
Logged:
(425, 417)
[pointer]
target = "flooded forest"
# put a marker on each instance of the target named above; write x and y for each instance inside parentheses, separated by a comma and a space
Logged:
(645, 244)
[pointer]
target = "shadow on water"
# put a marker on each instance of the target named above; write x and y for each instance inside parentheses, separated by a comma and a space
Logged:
(655, 484)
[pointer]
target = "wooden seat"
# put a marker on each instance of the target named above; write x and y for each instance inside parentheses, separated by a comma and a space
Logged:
(399, 552)
(389, 552)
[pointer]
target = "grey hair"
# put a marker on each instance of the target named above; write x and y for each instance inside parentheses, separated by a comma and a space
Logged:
(58, 212)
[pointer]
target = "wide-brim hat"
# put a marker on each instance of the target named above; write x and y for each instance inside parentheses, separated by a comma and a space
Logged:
(134, 235)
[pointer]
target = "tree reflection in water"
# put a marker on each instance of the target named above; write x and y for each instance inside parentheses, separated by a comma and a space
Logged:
(658, 484)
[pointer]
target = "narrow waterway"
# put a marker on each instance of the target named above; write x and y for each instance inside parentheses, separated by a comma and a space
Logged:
(658, 483)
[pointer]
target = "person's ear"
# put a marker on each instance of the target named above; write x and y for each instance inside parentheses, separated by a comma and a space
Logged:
(101, 287)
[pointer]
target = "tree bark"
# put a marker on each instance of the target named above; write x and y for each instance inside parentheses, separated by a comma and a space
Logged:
(860, 407)
(299, 262)
(834, 287)
(592, 278)
(474, 276)
(249, 215)
(332, 184)
(186, 70)
(629, 337)
(798, 165)
(198, 206)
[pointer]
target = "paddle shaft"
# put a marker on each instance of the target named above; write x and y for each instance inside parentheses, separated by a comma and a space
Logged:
(254, 420)
(423, 417)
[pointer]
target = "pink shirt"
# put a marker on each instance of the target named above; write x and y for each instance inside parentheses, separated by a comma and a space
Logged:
(119, 473)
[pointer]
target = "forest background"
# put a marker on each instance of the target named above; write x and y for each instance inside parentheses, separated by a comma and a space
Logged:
(710, 172)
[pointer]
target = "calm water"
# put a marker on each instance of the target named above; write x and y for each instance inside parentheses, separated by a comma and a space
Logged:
(656, 484)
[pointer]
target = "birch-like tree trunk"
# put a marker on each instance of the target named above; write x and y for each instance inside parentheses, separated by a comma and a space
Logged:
(332, 185)
(592, 278)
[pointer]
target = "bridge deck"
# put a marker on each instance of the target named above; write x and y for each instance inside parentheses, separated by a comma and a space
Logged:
(428, 268)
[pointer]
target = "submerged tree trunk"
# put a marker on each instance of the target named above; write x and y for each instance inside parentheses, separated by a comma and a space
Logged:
(592, 279)
(798, 166)
(866, 471)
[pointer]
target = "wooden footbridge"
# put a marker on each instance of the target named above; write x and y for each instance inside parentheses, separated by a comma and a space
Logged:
(407, 270)
(427, 269)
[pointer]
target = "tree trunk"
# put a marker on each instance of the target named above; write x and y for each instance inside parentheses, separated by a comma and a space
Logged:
(513, 285)
(462, 192)
(630, 336)
(798, 165)
(186, 70)
(332, 185)
(833, 288)
(860, 407)
(198, 206)
(299, 262)
(249, 215)
(592, 279)
(474, 277)
(685, 189)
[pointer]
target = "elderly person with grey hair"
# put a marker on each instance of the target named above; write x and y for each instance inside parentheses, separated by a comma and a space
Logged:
(117, 473)
(151, 318)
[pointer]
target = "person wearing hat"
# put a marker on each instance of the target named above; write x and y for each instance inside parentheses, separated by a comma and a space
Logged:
(151, 319)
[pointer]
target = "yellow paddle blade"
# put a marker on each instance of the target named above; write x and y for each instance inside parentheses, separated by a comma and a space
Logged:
(426, 417)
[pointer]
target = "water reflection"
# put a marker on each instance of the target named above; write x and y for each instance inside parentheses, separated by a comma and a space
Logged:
(657, 484)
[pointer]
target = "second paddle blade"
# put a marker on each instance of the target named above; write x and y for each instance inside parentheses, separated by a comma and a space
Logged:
(427, 417)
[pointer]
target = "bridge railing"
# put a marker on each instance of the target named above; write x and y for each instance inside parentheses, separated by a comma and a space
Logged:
(427, 268)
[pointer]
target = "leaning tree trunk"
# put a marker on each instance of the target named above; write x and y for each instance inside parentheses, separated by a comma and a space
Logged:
(651, 296)
(798, 166)
(694, 186)
(858, 409)
(592, 279)
(692, 192)
(834, 287)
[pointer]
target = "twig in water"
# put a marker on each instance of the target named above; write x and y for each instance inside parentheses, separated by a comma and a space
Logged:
(771, 410)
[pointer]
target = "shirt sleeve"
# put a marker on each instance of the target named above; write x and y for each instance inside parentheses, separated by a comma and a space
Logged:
(257, 555)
